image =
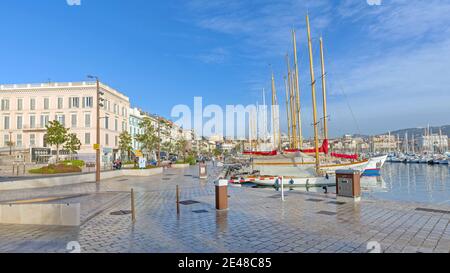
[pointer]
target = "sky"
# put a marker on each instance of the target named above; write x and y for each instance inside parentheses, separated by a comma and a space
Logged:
(387, 60)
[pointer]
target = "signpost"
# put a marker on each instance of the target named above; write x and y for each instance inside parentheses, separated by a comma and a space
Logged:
(142, 163)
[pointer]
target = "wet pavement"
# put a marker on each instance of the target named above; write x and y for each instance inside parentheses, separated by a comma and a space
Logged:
(257, 221)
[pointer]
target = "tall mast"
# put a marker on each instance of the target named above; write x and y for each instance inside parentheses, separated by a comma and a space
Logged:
(324, 92)
(291, 103)
(274, 118)
(297, 87)
(313, 91)
(389, 142)
(287, 113)
(264, 117)
(406, 142)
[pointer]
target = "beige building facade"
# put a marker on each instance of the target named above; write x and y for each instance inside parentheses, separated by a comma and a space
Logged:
(25, 110)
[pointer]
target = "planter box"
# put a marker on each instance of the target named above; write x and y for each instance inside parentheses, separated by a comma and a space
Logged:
(180, 166)
(143, 172)
(40, 214)
(45, 182)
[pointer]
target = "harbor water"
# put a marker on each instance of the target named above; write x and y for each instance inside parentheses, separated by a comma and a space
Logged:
(401, 182)
(410, 182)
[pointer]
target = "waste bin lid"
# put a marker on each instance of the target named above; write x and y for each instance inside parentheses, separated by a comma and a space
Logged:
(221, 182)
(347, 172)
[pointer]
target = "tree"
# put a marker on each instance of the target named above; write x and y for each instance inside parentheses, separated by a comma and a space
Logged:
(72, 144)
(149, 138)
(125, 143)
(56, 135)
(217, 152)
(181, 146)
(167, 147)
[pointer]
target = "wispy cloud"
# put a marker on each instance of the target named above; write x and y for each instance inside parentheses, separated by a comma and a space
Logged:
(390, 57)
(215, 56)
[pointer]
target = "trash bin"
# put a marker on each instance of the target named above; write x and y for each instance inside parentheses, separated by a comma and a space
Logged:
(348, 184)
(221, 194)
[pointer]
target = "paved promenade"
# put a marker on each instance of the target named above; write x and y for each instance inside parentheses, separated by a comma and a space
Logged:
(257, 221)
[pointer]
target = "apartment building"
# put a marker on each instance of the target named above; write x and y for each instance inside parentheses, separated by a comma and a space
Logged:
(25, 110)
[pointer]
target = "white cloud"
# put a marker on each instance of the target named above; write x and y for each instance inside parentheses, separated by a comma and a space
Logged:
(394, 75)
(215, 56)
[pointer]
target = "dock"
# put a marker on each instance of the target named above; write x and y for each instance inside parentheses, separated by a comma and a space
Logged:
(257, 220)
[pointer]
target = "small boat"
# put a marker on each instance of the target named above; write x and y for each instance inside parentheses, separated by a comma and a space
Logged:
(373, 168)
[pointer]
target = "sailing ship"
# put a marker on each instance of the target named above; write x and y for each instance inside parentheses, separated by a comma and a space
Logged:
(306, 166)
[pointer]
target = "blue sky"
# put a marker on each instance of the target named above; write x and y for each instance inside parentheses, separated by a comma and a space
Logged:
(388, 64)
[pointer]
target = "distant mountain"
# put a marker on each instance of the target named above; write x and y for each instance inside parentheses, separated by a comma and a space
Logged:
(418, 132)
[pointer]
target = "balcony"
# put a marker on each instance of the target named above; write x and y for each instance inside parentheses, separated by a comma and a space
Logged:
(38, 128)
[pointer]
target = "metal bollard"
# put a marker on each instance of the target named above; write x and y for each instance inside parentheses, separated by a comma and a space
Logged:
(24, 167)
(133, 210)
(14, 167)
(202, 171)
(178, 199)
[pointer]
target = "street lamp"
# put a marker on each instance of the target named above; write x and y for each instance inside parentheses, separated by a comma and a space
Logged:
(97, 145)
(10, 143)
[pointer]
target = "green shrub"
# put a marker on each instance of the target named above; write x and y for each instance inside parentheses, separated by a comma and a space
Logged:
(76, 163)
(56, 169)
(190, 160)
(148, 167)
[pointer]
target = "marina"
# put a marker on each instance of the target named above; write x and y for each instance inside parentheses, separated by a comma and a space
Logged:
(313, 222)
(228, 128)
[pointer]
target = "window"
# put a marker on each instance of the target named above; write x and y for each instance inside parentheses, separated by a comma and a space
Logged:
(32, 104)
(46, 103)
(19, 122)
(116, 141)
(60, 103)
(74, 121)
(5, 105)
(74, 102)
(106, 122)
(5, 140)
(106, 139)
(61, 119)
(19, 140)
(32, 122)
(6, 123)
(44, 120)
(116, 125)
(32, 139)
(19, 104)
(88, 102)
(124, 125)
(87, 120)
(87, 138)
(116, 109)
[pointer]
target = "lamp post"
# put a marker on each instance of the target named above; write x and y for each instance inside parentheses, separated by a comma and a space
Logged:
(97, 146)
(10, 143)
